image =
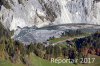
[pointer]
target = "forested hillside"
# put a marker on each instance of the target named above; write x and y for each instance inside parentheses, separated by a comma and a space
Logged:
(90, 43)
(17, 52)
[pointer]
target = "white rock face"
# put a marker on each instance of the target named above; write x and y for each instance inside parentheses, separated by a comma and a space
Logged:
(14, 13)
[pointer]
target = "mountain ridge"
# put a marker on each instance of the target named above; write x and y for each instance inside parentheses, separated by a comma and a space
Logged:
(42, 13)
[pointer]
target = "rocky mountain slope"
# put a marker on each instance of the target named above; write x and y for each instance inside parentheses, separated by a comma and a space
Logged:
(41, 13)
(27, 35)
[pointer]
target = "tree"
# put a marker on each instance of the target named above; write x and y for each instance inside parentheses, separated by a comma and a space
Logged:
(2, 48)
(64, 51)
(30, 48)
(57, 51)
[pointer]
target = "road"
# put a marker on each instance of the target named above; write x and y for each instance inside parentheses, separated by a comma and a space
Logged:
(69, 39)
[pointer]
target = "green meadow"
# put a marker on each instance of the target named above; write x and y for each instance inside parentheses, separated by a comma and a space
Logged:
(36, 61)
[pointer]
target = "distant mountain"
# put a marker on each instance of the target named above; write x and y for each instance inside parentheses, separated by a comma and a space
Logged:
(41, 13)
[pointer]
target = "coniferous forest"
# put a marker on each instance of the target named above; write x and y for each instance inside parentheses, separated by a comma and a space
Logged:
(15, 51)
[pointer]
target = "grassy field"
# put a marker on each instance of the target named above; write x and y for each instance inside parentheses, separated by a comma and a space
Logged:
(36, 61)
(66, 37)
(8, 63)
(58, 39)
(5, 63)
